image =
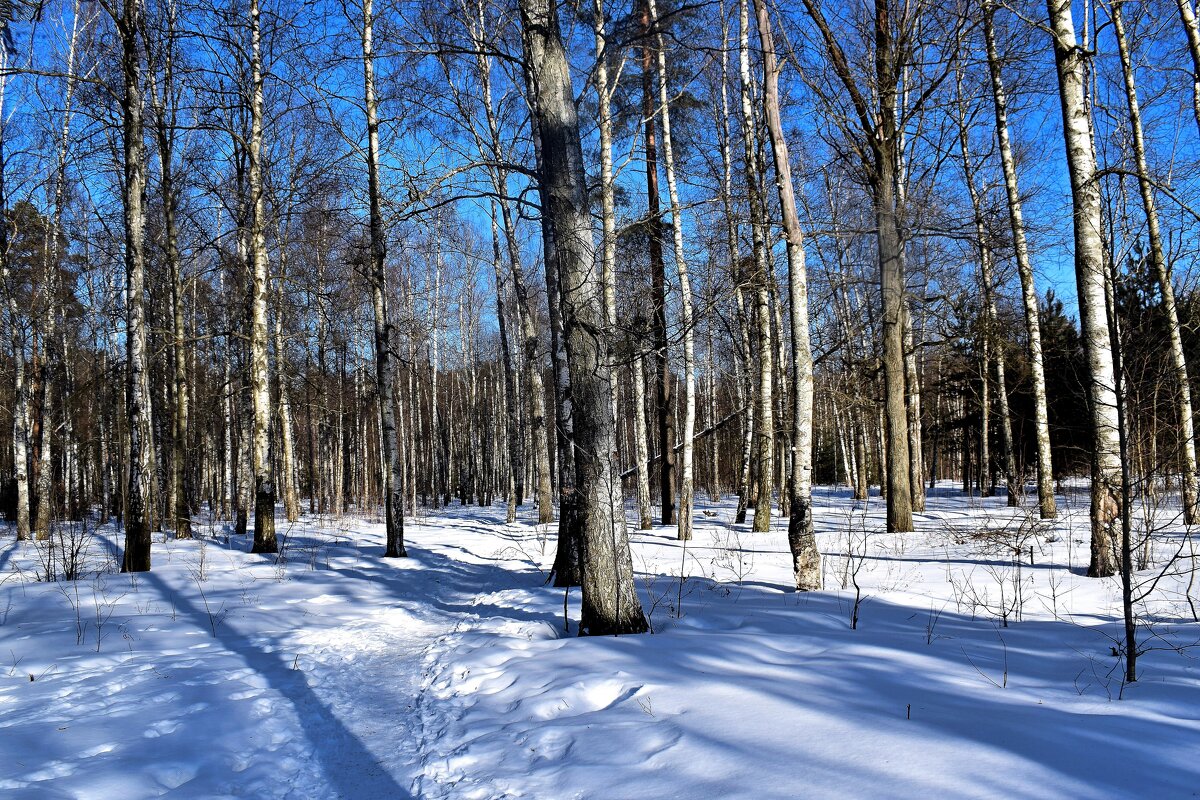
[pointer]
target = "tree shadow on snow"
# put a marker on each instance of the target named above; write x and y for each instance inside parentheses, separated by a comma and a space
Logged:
(351, 769)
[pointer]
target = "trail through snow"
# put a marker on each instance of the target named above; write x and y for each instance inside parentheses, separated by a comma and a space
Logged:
(226, 674)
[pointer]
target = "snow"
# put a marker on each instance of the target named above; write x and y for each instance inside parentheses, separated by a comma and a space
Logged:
(333, 672)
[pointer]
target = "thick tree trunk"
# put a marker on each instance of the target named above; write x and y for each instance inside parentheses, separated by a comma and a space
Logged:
(891, 278)
(899, 496)
(806, 559)
(568, 558)
(567, 570)
(610, 601)
(137, 496)
(1090, 277)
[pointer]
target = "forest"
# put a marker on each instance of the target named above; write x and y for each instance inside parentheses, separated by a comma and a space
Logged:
(513, 398)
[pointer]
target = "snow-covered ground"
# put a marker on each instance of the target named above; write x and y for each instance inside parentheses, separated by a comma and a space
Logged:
(335, 673)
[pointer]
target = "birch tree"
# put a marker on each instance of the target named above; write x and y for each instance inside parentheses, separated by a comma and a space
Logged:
(1191, 31)
(129, 20)
(385, 365)
(1029, 298)
(991, 322)
(762, 277)
(1162, 274)
(1090, 275)
(654, 228)
(610, 602)
(687, 479)
(52, 360)
(806, 559)
(259, 277)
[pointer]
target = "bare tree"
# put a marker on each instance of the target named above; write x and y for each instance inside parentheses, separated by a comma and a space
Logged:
(1091, 277)
(129, 19)
(658, 277)
(20, 412)
(877, 146)
(806, 559)
(610, 602)
(992, 346)
(1162, 274)
(762, 276)
(385, 363)
(164, 108)
(1029, 298)
(259, 277)
(686, 478)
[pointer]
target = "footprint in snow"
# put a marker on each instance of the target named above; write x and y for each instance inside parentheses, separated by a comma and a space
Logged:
(164, 728)
(98, 750)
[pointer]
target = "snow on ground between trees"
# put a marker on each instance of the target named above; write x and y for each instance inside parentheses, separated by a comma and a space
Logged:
(335, 673)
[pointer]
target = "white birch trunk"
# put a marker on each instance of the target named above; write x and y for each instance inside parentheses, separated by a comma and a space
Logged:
(260, 379)
(806, 559)
(641, 443)
(990, 318)
(687, 477)
(1191, 29)
(1047, 507)
(1162, 274)
(1090, 275)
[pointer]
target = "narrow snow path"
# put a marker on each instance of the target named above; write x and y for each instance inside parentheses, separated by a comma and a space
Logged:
(226, 674)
